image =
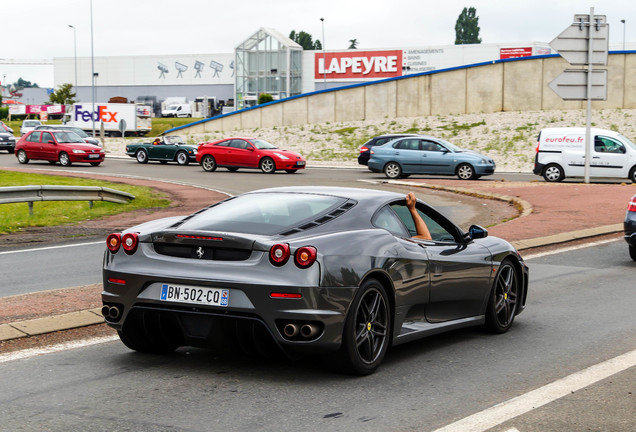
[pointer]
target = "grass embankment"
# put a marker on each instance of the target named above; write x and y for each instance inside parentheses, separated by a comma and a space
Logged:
(14, 217)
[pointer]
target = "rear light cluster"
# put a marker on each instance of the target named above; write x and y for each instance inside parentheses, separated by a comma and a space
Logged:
(304, 256)
(632, 205)
(128, 242)
(363, 149)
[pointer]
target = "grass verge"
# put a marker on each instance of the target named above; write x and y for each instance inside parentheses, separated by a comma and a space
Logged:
(14, 217)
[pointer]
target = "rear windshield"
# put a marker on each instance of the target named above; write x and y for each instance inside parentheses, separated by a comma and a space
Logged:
(263, 213)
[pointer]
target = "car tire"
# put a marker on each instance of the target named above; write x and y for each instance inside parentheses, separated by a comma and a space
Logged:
(64, 159)
(632, 252)
(182, 158)
(553, 173)
(367, 330)
(95, 163)
(143, 332)
(291, 171)
(22, 157)
(465, 172)
(267, 165)
(504, 298)
(632, 175)
(142, 156)
(393, 170)
(208, 163)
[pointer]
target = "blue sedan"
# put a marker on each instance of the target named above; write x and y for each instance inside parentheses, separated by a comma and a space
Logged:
(428, 155)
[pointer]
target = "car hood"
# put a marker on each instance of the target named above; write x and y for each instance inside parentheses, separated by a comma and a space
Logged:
(86, 147)
(288, 153)
(5, 134)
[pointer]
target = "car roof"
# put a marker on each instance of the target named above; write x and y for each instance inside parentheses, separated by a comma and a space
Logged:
(579, 130)
(358, 194)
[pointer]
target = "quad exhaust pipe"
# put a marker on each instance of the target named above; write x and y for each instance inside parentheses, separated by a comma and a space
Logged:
(111, 313)
(303, 331)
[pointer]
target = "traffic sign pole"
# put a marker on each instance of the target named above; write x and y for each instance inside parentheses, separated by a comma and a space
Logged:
(588, 123)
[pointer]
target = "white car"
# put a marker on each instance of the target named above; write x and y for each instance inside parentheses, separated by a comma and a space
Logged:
(29, 125)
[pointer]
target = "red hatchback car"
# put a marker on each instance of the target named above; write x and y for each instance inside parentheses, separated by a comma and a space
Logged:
(235, 153)
(57, 145)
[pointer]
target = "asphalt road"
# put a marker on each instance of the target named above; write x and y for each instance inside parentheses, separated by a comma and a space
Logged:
(579, 313)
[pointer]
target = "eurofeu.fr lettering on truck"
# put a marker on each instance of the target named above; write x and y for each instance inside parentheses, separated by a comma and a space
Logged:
(101, 114)
(562, 141)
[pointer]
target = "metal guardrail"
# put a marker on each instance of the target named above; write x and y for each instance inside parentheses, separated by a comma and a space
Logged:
(30, 194)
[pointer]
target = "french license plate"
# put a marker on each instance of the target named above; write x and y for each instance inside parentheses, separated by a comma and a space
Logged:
(195, 295)
(300, 163)
(93, 156)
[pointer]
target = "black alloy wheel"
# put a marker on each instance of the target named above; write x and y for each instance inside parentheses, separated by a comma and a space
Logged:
(367, 331)
(504, 297)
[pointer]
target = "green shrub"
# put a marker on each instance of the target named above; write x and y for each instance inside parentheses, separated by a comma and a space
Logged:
(264, 98)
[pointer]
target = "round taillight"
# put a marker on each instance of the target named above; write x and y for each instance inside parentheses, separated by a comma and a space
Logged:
(305, 256)
(279, 254)
(129, 242)
(113, 241)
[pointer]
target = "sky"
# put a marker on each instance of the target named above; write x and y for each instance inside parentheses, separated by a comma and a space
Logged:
(39, 29)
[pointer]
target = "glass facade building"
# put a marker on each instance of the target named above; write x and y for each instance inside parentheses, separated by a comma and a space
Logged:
(267, 62)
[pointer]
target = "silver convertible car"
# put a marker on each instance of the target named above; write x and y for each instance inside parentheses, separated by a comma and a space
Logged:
(424, 154)
(307, 270)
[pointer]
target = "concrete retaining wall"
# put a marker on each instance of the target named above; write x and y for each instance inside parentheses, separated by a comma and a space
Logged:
(517, 85)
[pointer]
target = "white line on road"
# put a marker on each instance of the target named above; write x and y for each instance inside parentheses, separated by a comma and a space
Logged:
(52, 247)
(534, 399)
(33, 352)
(568, 249)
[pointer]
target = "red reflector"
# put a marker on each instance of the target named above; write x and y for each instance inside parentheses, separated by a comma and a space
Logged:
(117, 281)
(286, 295)
(198, 237)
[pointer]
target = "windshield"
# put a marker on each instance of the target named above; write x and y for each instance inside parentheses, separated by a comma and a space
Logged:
(79, 132)
(31, 123)
(450, 146)
(172, 107)
(628, 141)
(173, 140)
(5, 127)
(262, 213)
(68, 137)
(262, 144)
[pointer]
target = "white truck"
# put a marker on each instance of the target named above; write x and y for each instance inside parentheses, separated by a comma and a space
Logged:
(136, 118)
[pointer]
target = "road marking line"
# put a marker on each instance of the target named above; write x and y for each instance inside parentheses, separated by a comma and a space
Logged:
(34, 352)
(568, 249)
(51, 247)
(534, 399)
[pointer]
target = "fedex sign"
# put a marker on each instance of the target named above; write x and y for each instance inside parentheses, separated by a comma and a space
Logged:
(358, 65)
(101, 114)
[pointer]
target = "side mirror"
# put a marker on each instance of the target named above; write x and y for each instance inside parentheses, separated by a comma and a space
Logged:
(250, 148)
(477, 232)
(51, 142)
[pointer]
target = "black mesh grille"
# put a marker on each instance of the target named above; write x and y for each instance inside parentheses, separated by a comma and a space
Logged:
(202, 252)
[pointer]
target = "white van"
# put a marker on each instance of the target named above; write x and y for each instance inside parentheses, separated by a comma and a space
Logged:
(177, 110)
(561, 154)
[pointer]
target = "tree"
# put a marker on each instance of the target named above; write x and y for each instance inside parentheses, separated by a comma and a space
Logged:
(353, 44)
(305, 40)
(467, 27)
(265, 98)
(63, 95)
(20, 84)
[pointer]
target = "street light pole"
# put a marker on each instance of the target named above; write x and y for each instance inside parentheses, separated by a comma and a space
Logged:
(75, 52)
(92, 71)
(324, 61)
(623, 21)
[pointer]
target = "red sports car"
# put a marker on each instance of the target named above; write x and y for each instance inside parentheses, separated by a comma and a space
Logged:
(235, 153)
(57, 145)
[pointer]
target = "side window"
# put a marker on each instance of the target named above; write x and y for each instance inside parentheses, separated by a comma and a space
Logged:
(608, 145)
(408, 144)
(438, 232)
(34, 137)
(224, 143)
(388, 220)
(430, 146)
(239, 144)
(46, 137)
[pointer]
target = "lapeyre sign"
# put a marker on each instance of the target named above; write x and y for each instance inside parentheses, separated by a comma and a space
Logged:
(358, 65)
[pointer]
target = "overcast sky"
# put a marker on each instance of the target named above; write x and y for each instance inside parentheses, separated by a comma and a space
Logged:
(38, 29)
